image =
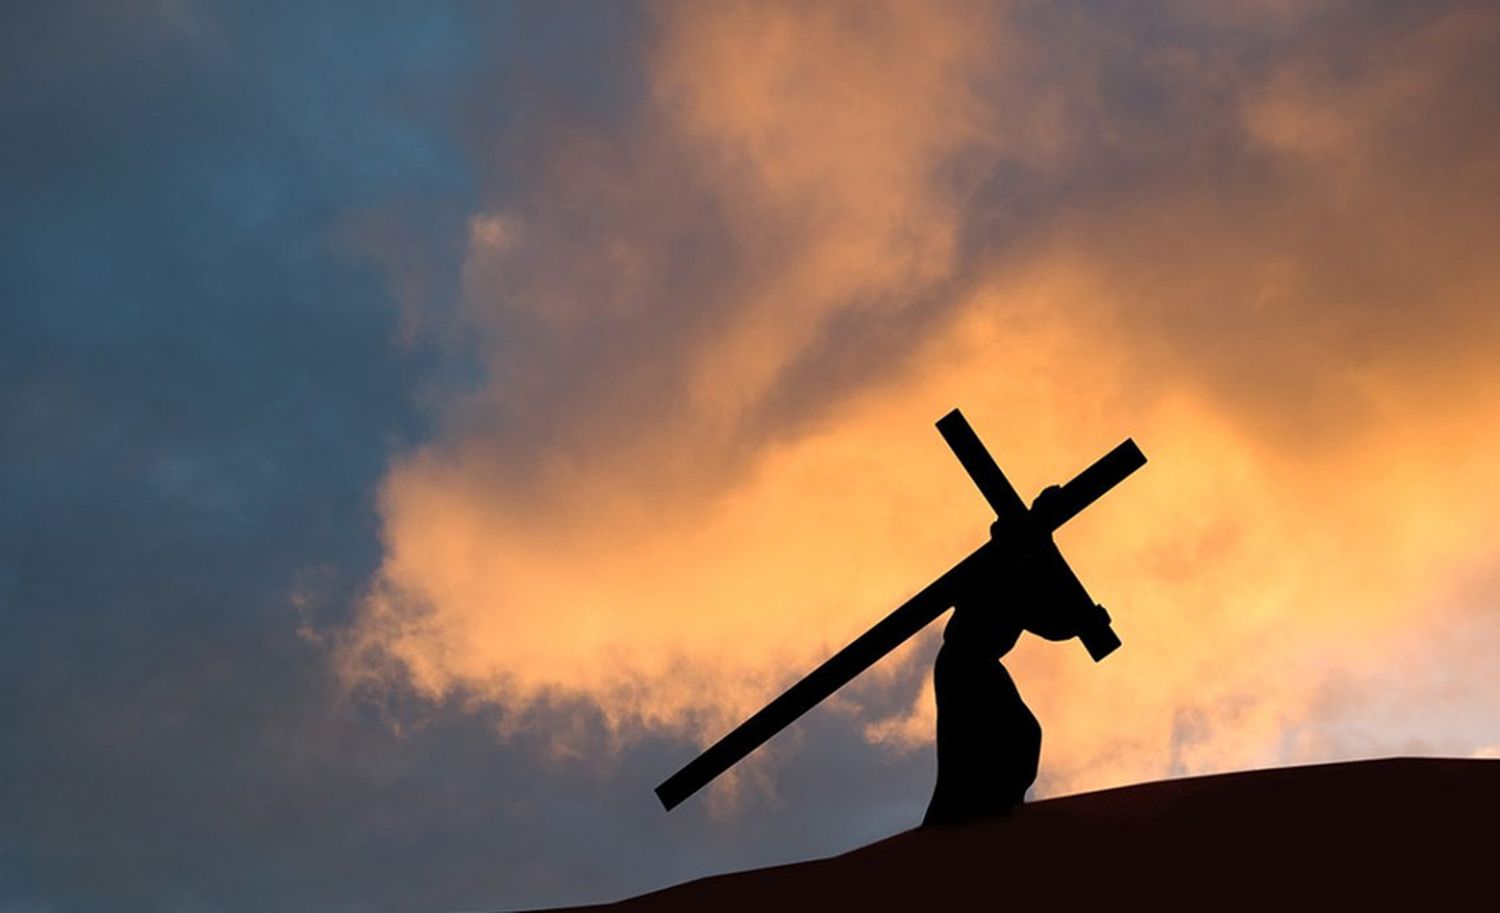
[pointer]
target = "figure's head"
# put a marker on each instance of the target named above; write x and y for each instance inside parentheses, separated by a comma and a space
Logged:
(1046, 496)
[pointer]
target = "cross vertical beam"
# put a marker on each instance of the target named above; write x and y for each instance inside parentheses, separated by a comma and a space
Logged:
(981, 467)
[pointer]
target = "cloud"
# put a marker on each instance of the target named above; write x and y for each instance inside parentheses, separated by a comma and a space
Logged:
(717, 325)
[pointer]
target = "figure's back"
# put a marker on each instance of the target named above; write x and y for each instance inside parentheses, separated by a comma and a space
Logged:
(983, 627)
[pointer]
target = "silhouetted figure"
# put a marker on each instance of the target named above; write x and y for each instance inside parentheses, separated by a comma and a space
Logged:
(988, 741)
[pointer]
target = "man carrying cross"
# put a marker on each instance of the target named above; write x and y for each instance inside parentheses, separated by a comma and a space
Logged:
(988, 742)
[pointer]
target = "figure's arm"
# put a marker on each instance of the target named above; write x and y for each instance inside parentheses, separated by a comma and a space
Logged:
(1057, 607)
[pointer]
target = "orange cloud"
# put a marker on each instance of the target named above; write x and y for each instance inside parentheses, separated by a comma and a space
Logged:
(717, 339)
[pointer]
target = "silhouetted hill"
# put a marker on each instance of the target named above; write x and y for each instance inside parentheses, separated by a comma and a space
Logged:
(1417, 833)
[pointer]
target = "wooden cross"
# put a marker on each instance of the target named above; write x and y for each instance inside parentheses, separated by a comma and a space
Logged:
(1019, 535)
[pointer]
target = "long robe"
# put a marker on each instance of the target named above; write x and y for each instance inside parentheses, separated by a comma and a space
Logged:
(989, 744)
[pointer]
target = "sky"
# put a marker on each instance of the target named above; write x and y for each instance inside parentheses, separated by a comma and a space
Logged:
(424, 426)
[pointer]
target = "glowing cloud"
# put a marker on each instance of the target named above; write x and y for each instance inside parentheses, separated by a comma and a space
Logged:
(717, 335)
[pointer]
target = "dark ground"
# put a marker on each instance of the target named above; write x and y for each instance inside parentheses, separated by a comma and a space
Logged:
(1387, 834)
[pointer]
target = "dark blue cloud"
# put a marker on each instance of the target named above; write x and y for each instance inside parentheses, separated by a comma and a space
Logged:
(215, 223)
(199, 390)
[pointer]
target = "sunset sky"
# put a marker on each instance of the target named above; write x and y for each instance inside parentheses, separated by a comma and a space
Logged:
(423, 428)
